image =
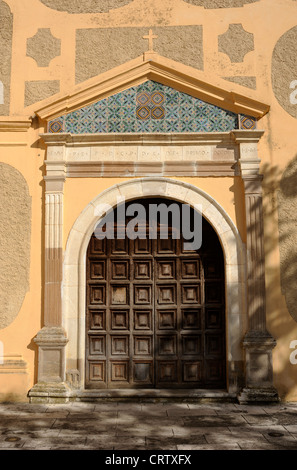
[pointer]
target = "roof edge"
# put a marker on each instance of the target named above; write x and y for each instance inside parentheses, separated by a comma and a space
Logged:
(151, 66)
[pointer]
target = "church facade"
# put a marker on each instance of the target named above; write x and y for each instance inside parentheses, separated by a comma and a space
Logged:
(147, 200)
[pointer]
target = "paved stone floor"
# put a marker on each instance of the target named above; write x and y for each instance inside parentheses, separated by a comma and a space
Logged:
(148, 426)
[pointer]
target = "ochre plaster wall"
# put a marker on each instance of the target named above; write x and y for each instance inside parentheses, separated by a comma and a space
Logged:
(5, 51)
(21, 164)
(259, 64)
(223, 190)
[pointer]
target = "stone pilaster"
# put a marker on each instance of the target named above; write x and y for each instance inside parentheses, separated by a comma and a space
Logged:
(53, 258)
(258, 342)
(51, 339)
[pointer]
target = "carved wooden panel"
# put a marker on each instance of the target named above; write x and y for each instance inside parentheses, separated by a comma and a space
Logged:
(119, 294)
(119, 345)
(191, 344)
(190, 294)
(142, 246)
(120, 270)
(97, 294)
(97, 246)
(143, 345)
(97, 269)
(190, 269)
(155, 313)
(166, 269)
(166, 294)
(96, 372)
(142, 294)
(167, 345)
(192, 372)
(166, 319)
(142, 269)
(119, 372)
(97, 319)
(167, 373)
(119, 246)
(142, 319)
(191, 319)
(165, 246)
(97, 345)
(143, 373)
(119, 319)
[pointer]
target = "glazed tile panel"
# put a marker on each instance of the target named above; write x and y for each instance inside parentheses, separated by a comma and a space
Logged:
(149, 107)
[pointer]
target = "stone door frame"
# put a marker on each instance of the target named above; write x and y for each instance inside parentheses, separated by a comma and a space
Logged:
(62, 339)
(75, 265)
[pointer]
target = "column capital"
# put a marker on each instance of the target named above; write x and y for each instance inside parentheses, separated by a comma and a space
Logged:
(252, 184)
(54, 184)
(241, 136)
(55, 176)
(249, 161)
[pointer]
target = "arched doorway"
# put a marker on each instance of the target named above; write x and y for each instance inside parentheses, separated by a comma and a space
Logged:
(155, 312)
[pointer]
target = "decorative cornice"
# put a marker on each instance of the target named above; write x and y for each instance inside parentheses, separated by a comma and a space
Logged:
(152, 67)
(14, 124)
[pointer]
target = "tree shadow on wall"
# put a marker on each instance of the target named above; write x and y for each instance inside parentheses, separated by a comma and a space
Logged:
(280, 239)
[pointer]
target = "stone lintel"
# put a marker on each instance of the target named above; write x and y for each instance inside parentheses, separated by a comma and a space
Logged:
(135, 169)
(177, 138)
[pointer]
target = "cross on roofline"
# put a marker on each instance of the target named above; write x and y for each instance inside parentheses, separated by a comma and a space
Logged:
(150, 38)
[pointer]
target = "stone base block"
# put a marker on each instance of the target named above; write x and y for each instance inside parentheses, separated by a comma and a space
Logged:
(50, 393)
(258, 395)
(51, 343)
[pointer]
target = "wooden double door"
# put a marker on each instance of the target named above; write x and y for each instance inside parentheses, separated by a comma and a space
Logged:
(155, 313)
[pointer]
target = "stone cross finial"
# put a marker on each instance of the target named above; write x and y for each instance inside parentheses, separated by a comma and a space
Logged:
(150, 38)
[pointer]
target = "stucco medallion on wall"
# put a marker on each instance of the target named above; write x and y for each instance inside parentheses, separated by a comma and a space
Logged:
(6, 20)
(220, 3)
(287, 210)
(85, 6)
(236, 42)
(15, 234)
(101, 49)
(284, 71)
(43, 47)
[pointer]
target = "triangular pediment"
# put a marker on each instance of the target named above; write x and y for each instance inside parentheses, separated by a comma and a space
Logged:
(150, 94)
